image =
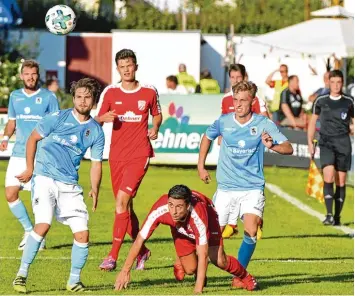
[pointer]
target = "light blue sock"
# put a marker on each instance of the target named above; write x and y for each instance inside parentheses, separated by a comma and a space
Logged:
(29, 253)
(246, 250)
(79, 255)
(18, 209)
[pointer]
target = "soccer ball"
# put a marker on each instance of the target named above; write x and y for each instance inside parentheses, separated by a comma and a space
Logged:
(60, 20)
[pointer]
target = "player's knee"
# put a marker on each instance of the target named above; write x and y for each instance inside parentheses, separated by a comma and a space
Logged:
(190, 270)
(42, 229)
(11, 195)
(82, 236)
(251, 231)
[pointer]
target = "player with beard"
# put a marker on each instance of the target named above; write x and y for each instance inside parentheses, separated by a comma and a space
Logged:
(26, 107)
(62, 139)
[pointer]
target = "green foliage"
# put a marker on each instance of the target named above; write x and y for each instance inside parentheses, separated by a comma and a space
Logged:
(9, 79)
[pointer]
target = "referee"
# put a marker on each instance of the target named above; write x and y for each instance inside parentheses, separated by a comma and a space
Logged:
(336, 112)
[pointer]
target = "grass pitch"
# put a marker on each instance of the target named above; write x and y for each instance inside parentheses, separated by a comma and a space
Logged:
(297, 254)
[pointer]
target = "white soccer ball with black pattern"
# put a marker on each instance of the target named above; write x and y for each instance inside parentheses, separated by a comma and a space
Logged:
(60, 20)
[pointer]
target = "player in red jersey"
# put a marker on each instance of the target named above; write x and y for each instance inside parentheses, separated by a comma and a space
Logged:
(196, 233)
(127, 105)
(237, 73)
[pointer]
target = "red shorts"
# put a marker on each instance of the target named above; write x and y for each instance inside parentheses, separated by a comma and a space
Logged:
(185, 246)
(128, 175)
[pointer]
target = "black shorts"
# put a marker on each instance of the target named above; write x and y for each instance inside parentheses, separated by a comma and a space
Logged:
(335, 151)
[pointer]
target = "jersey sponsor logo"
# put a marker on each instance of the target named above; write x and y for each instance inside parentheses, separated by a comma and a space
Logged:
(343, 115)
(27, 110)
(19, 99)
(241, 143)
(66, 143)
(38, 100)
(141, 105)
(253, 130)
(29, 117)
(130, 116)
(73, 139)
(243, 152)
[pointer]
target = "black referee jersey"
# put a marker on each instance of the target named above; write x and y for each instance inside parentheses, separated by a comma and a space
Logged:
(334, 114)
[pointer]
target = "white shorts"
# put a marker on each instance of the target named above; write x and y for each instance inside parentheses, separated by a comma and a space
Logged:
(231, 205)
(65, 201)
(16, 166)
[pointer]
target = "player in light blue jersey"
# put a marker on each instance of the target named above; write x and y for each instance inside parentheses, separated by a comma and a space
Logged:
(26, 107)
(62, 139)
(240, 176)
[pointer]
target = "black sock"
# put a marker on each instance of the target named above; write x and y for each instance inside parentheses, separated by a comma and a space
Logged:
(328, 192)
(339, 198)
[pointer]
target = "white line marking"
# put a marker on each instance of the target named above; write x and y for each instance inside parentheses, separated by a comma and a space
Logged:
(278, 191)
(336, 261)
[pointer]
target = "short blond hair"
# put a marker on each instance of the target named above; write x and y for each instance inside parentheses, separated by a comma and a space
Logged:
(245, 86)
(30, 64)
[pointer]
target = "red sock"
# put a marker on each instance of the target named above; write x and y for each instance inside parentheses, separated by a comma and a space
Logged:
(119, 231)
(234, 267)
(133, 229)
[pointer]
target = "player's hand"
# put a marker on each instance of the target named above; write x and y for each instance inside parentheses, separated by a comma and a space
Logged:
(25, 176)
(3, 145)
(94, 195)
(311, 150)
(267, 140)
(108, 116)
(122, 280)
(204, 175)
(153, 133)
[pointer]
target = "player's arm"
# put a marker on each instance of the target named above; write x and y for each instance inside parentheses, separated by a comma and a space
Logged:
(202, 263)
(149, 225)
(104, 106)
(211, 133)
(97, 150)
(155, 111)
(124, 277)
(274, 140)
(10, 126)
(31, 149)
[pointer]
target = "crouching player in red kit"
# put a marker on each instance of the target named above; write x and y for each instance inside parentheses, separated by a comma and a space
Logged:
(127, 106)
(197, 236)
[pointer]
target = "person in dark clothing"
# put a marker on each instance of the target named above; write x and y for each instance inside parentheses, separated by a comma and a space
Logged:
(336, 113)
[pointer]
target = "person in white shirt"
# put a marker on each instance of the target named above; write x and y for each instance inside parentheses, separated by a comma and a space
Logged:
(172, 86)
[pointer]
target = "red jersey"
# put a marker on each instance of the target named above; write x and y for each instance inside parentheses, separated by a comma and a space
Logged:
(129, 138)
(227, 104)
(196, 226)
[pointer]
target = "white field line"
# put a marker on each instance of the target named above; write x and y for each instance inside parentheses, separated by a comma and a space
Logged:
(336, 261)
(278, 191)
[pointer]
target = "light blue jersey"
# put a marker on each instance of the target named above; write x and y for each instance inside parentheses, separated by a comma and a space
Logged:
(27, 110)
(241, 157)
(65, 141)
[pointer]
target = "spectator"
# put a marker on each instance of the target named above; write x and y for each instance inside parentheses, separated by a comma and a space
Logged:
(208, 85)
(290, 111)
(321, 91)
(186, 80)
(279, 86)
(173, 87)
(52, 85)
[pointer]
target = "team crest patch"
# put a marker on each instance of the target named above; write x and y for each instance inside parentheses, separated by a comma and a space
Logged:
(38, 100)
(253, 130)
(141, 105)
(87, 133)
(343, 115)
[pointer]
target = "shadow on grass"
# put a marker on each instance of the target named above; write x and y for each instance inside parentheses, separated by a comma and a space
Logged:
(224, 282)
(153, 240)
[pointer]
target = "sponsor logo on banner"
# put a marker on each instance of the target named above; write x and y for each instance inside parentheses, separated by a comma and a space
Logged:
(141, 105)
(130, 116)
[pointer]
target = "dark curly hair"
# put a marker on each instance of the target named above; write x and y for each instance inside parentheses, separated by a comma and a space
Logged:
(92, 86)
